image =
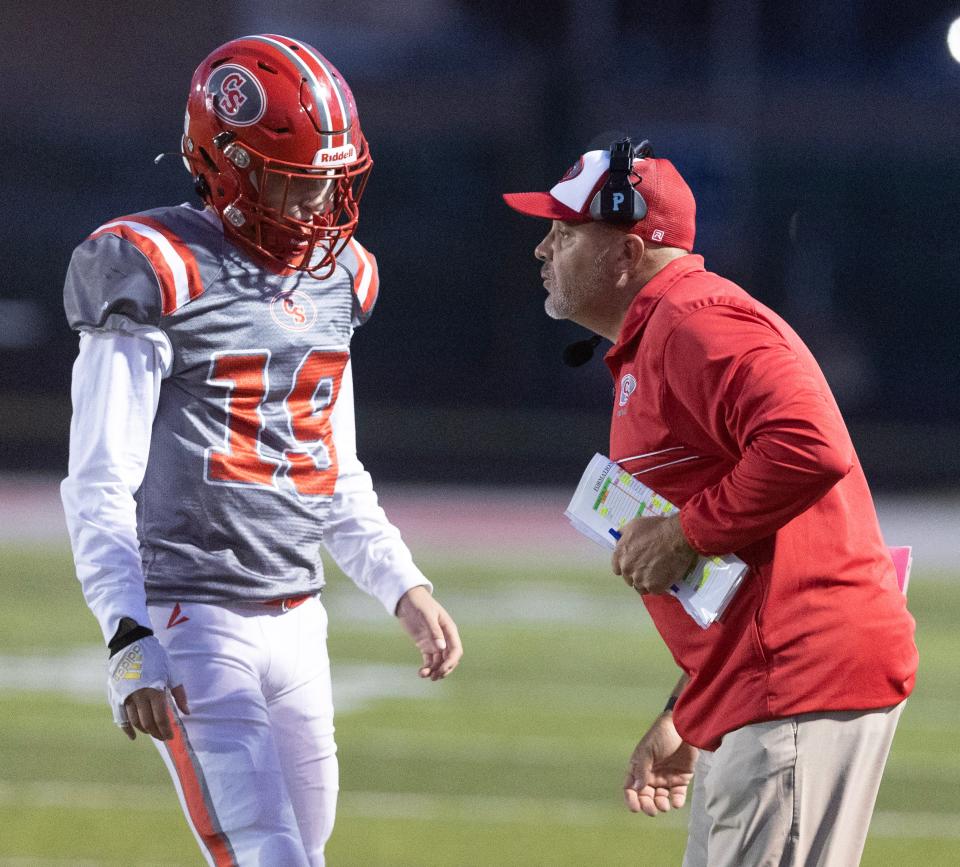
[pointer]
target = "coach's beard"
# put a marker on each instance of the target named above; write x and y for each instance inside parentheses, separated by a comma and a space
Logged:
(565, 301)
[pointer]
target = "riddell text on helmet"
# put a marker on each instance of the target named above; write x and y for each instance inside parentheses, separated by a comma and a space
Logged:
(335, 156)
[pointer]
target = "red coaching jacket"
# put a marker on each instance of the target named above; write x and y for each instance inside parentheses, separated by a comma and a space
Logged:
(721, 408)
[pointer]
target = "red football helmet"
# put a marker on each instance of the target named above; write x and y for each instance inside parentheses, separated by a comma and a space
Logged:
(273, 141)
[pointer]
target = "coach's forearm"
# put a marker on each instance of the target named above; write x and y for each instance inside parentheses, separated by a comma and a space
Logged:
(676, 693)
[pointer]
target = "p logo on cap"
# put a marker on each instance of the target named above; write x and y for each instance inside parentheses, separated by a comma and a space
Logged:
(669, 215)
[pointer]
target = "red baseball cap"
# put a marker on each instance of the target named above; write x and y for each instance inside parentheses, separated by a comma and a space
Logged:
(671, 217)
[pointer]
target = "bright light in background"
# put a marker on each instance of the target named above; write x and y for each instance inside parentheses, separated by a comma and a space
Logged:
(953, 40)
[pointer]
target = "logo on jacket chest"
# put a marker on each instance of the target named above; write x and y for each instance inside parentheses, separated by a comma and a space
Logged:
(628, 385)
(293, 310)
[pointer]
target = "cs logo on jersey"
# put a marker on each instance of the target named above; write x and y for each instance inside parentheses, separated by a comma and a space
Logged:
(238, 97)
(628, 385)
(293, 311)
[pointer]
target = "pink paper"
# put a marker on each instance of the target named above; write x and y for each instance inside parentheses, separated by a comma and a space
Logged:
(902, 561)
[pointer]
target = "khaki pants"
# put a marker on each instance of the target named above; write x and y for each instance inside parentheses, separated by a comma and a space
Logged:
(794, 792)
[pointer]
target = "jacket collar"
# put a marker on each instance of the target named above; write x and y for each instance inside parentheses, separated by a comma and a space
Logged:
(643, 304)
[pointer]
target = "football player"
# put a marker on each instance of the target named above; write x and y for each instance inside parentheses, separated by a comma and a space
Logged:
(212, 450)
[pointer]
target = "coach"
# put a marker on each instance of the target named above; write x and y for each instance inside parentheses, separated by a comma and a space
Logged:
(787, 706)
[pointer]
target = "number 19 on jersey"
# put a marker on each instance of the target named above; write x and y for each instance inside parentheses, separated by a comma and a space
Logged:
(311, 466)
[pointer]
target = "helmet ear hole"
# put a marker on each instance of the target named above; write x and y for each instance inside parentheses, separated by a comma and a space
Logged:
(201, 186)
(208, 160)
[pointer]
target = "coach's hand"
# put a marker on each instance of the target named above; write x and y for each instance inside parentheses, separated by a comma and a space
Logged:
(432, 630)
(138, 677)
(652, 553)
(661, 768)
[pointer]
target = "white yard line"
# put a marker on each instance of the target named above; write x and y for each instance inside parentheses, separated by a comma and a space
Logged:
(601, 602)
(485, 809)
(80, 674)
(31, 861)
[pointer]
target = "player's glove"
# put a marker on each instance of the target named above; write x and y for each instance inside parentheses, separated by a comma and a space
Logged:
(143, 664)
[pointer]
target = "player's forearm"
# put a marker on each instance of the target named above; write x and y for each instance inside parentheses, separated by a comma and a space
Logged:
(115, 387)
(358, 535)
(366, 546)
(106, 553)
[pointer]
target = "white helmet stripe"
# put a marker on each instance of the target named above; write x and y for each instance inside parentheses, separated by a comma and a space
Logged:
(307, 72)
(334, 84)
(326, 120)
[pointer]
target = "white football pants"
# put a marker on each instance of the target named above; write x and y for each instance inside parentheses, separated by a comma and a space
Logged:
(254, 763)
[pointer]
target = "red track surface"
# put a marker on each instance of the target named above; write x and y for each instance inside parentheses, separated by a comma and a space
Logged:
(500, 521)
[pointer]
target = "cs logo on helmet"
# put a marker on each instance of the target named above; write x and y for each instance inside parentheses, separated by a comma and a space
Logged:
(237, 95)
(293, 311)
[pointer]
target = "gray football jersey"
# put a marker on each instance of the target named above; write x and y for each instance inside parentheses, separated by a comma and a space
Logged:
(242, 463)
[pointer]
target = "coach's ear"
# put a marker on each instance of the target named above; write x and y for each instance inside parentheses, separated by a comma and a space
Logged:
(627, 251)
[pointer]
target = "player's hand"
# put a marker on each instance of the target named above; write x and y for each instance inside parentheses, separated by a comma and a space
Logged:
(432, 630)
(652, 553)
(660, 770)
(138, 677)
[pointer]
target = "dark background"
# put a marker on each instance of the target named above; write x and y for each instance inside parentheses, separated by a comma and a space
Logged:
(821, 140)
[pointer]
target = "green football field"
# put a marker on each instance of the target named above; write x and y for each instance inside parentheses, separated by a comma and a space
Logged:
(515, 760)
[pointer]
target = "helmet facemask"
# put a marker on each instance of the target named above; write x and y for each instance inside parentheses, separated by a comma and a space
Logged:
(297, 215)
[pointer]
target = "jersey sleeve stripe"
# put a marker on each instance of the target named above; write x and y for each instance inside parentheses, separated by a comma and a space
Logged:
(165, 278)
(194, 281)
(196, 795)
(168, 264)
(366, 281)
